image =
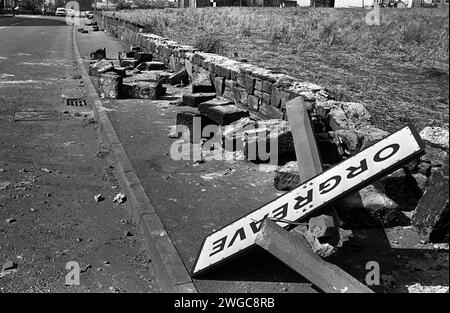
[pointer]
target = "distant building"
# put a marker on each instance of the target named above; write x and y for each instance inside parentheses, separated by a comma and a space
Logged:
(353, 3)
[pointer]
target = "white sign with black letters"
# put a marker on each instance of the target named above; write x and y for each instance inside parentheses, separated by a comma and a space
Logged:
(347, 176)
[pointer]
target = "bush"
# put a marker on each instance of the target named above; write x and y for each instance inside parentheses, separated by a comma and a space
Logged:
(209, 42)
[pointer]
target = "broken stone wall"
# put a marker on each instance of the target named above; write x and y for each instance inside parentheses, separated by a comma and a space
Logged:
(257, 89)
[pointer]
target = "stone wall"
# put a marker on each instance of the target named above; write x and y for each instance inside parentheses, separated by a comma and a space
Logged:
(257, 89)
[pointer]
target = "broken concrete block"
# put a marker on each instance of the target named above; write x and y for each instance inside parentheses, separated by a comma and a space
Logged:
(370, 134)
(151, 66)
(431, 214)
(143, 57)
(194, 99)
(98, 54)
(323, 228)
(201, 83)
(100, 66)
(343, 115)
(110, 85)
(273, 132)
(233, 134)
(143, 90)
(187, 118)
(180, 77)
(436, 136)
(223, 114)
(347, 142)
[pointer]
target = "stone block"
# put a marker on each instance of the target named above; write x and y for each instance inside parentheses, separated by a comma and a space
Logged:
(431, 215)
(143, 57)
(189, 119)
(201, 83)
(219, 85)
(143, 90)
(223, 114)
(110, 85)
(194, 99)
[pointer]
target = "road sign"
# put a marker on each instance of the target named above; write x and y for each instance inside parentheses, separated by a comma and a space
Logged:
(352, 174)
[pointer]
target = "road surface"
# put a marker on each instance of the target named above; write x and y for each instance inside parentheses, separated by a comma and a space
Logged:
(52, 164)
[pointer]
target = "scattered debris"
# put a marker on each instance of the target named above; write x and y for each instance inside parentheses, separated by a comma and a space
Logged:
(120, 198)
(436, 136)
(418, 288)
(10, 220)
(173, 133)
(2, 170)
(128, 233)
(8, 268)
(85, 268)
(9, 265)
(388, 281)
(98, 197)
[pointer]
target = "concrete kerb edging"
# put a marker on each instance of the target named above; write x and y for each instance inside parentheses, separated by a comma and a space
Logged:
(170, 270)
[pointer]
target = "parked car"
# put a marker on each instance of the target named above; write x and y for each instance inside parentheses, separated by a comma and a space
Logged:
(60, 12)
(89, 14)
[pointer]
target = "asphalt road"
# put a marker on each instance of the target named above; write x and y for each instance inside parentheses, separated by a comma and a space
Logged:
(52, 164)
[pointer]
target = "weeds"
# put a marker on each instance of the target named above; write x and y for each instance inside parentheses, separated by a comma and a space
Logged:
(209, 42)
(398, 67)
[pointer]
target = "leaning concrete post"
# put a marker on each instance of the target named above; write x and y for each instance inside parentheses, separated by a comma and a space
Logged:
(323, 227)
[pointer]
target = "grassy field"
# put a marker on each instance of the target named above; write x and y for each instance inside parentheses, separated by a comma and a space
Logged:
(399, 68)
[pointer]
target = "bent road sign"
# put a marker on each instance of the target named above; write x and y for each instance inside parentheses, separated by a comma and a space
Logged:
(352, 174)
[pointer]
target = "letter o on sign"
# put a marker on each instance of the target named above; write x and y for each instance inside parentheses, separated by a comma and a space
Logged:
(381, 155)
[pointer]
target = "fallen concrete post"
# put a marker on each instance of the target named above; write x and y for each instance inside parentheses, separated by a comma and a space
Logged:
(323, 227)
(296, 253)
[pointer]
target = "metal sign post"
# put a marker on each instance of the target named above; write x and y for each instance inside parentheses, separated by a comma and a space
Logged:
(352, 174)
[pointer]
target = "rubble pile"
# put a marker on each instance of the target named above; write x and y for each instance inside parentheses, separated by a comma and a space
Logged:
(132, 75)
(412, 195)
